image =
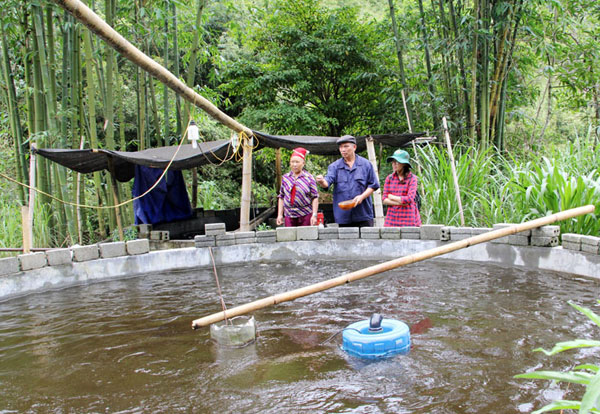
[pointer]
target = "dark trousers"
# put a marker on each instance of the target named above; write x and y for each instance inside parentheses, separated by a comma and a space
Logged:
(366, 223)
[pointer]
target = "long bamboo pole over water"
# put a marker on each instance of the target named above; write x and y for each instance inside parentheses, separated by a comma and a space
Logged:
(389, 265)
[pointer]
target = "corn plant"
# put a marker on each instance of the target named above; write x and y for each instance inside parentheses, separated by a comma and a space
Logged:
(587, 375)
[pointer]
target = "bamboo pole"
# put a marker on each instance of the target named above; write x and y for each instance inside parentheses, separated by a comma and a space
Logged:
(389, 265)
(453, 168)
(115, 193)
(378, 204)
(246, 184)
(32, 176)
(25, 225)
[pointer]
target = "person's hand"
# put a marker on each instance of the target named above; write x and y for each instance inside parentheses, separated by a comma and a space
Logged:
(321, 181)
(279, 220)
(313, 220)
(357, 200)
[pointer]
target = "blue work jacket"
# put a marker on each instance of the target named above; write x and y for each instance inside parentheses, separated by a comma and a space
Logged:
(348, 183)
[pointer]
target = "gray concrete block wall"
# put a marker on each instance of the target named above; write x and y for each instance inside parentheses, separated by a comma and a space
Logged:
(544, 241)
(286, 234)
(30, 261)
(245, 237)
(57, 257)
(227, 239)
(370, 232)
(214, 229)
(460, 233)
(266, 236)
(445, 233)
(9, 265)
(431, 231)
(390, 233)
(410, 232)
(546, 231)
(204, 241)
(571, 241)
(328, 233)
(590, 244)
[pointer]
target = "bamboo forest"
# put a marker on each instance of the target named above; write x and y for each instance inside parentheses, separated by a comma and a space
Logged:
(518, 82)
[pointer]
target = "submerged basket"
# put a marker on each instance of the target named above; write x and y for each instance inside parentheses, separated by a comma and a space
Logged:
(236, 332)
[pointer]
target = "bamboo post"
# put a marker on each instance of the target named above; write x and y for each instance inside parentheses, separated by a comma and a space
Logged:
(77, 199)
(389, 265)
(115, 193)
(246, 184)
(454, 176)
(378, 204)
(32, 175)
(25, 226)
(278, 168)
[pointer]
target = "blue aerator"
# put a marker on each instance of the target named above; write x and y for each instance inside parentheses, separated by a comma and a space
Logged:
(376, 338)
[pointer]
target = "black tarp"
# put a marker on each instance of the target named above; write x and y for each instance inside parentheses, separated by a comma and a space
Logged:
(88, 160)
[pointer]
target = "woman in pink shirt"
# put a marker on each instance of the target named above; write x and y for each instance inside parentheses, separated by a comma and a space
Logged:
(298, 196)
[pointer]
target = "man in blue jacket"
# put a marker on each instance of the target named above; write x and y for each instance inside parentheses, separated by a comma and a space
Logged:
(353, 178)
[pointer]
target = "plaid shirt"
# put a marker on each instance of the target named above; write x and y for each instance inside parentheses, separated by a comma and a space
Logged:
(406, 214)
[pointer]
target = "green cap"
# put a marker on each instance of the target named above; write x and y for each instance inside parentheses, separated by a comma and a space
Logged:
(400, 156)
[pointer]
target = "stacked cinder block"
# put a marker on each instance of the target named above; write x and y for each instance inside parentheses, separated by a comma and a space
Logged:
(30, 261)
(245, 237)
(328, 233)
(160, 235)
(144, 231)
(110, 250)
(590, 244)
(57, 257)
(204, 241)
(9, 265)
(501, 240)
(135, 247)
(571, 241)
(266, 236)
(412, 233)
(390, 233)
(225, 239)
(85, 253)
(348, 233)
(545, 236)
(370, 233)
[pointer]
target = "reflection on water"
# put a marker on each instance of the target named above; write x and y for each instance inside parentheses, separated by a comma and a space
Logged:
(128, 345)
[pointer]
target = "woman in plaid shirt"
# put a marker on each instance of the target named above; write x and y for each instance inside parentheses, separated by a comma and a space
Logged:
(399, 193)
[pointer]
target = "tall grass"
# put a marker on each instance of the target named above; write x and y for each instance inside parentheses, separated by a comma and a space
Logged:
(495, 189)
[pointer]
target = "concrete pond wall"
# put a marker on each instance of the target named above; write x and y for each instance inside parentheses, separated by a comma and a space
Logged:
(58, 268)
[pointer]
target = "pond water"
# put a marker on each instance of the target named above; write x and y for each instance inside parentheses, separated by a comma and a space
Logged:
(127, 345)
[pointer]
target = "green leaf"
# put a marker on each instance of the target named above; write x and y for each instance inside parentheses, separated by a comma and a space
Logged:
(587, 312)
(592, 393)
(558, 405)
(565, 346)
(573, 377)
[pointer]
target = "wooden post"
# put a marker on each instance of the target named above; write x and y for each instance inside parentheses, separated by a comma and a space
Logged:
(246, 183)
(378, 204)
(278, 168)
(115, 192)
(389, 265)
(77, 199)
(26, 229)
(454, 176)
(32, 176)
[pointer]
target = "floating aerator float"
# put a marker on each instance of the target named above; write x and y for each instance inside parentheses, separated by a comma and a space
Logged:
(376, 338)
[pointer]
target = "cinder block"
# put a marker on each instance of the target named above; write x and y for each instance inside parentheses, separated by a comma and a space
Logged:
(571, 238)
(588, 248)
(334, 225)
(370, 233)
(431, 231)
(285, 234)
(518, 240)
(410, 232)
(139, 246)
(160, 235)
(57, 257)
(480, 230)
(307, 233)
(348, 233)
(227, 239)
(590, 241)
(460, 233)
(204, 241)
(546, 231)
(144, 231)
(85, 253)
(544, 241)
(445, 233)
(33, 260)
(328, 233)
(501, 240)
(115, 249)
(214, 229)
(245, 237)
(571, 246)
(9, 265)
(266, 236)
(392, 233)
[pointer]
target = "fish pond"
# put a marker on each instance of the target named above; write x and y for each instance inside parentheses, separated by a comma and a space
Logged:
(127, 345)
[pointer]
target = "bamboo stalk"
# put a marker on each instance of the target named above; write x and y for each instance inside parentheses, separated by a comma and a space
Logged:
(389, 265)
(246, 184)
(453, 168)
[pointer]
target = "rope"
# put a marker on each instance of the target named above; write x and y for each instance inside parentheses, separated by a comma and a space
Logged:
(103, 207)
(218, 286)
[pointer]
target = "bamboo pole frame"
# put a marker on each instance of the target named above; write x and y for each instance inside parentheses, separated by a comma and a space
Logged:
(389, 265)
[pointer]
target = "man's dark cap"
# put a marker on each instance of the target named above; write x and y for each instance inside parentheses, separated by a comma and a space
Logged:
(346, 138)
